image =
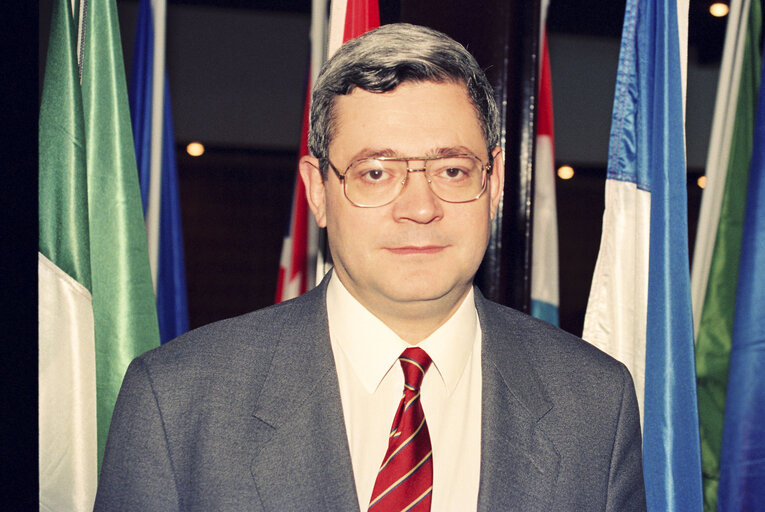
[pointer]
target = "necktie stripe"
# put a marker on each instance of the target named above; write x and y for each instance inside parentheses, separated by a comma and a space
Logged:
(413, 362)
(403, 445)
(401, 480)
(418, 500)
(398, 497)
(412, 400)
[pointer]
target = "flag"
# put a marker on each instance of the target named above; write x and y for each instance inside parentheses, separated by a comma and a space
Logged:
(66, 361)
(349, 19)
(294, 265)
(718, 244)
(639, 308)
(742, 460)
(170, 274)
(96, 303)
(544, 250)
(300, 248)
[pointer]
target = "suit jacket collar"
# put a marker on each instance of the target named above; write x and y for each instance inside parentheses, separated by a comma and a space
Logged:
(519, 464)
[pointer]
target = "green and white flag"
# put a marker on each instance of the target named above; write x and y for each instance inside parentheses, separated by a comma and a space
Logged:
(718, 246)
(96, 301)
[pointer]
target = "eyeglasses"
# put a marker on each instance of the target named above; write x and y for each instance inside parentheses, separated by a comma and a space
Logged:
(373, 182)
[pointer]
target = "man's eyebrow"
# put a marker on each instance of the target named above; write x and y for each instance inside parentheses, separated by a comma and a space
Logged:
(391, 153)
(451, 150)
(374, 153)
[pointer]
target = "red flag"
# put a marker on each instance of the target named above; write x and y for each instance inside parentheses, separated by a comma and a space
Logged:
(358, 16)
(294, 262)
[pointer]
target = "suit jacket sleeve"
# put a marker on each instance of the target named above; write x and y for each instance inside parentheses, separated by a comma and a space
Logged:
(137, 472)
(625, 480)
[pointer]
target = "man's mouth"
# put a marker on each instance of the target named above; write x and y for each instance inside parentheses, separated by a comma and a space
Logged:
(416, 249)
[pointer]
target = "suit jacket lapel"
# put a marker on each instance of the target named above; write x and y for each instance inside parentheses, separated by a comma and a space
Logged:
(519, 464)
(301, 459)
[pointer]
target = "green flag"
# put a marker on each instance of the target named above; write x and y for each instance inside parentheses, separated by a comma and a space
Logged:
(97, 308)
(716, 324)
(124, 308)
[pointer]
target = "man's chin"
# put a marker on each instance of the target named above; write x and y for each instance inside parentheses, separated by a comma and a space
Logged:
(424, 291)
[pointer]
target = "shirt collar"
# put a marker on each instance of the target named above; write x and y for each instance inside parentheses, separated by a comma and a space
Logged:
(373, 348)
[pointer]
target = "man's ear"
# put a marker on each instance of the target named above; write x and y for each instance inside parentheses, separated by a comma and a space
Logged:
(496, 180)
(314, 188)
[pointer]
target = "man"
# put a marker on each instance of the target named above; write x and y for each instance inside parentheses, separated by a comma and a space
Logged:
(299, 406)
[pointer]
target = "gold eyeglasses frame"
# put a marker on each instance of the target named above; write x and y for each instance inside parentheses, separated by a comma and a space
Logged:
(486, 169)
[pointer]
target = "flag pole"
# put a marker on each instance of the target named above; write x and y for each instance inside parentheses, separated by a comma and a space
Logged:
(317, 239)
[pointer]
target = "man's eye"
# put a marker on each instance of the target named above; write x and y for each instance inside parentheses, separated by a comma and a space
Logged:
(453, 172)
(373, 175)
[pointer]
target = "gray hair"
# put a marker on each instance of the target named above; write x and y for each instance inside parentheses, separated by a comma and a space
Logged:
(380, 60)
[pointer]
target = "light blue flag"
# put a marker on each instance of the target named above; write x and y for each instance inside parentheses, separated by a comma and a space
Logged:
(172, 304)
(646, 217)
(671, 443)
(742, 459)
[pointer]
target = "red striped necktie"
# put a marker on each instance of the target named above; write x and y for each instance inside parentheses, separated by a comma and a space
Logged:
(405, 479)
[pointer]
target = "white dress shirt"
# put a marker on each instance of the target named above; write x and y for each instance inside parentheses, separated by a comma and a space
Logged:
(371, 381)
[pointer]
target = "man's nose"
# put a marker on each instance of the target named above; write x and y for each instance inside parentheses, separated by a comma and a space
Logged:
(417, 201)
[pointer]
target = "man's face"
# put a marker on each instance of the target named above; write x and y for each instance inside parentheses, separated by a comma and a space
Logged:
(417, 251)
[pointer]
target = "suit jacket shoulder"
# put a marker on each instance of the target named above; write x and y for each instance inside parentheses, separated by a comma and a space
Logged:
(242, 414)
(218, 351)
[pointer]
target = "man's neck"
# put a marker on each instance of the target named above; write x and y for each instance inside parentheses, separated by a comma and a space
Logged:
(415, 320)
(418, 321)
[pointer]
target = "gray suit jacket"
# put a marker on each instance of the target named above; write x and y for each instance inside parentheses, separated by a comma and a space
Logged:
(245, 414)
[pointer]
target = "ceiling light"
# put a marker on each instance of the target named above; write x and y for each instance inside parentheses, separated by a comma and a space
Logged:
(195, 149)
(565, 172)
(718, 9)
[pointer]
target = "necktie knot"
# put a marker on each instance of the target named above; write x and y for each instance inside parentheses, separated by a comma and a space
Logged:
(415, 362)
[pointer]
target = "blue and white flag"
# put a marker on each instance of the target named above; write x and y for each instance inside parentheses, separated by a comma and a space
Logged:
(168, 269)
(742, 459)
(639, 309)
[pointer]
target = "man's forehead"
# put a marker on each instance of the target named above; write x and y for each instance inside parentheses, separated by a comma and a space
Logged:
(414, 100)
(360, 97)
